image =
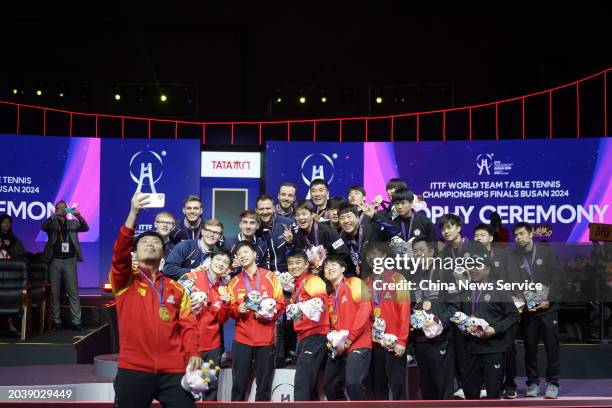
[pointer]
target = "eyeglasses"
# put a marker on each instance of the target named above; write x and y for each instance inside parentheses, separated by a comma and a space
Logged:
(215, 233)
(168, 223)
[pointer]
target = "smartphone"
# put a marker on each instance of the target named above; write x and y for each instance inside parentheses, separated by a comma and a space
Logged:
(156, 200)
(69, 210)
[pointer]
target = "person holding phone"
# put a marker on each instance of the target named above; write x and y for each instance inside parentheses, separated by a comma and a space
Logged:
(63, 251)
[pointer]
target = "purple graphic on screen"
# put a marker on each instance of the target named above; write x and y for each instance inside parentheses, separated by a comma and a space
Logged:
(600, 191)
(81, 185)
(379, 166)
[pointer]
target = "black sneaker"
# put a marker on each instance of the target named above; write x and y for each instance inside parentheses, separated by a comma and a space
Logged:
(77, 327)
(509, 394)
(56, 326)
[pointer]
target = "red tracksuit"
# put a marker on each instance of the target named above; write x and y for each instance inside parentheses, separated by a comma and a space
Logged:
(352, 308)
(213, 316)
(309, 286)
(394, 305)
(147, 343)
(250, 330)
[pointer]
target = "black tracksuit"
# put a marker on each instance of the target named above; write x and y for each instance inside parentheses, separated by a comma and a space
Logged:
(326, 236)
(505, 267)
(356, 245)
(435, 357)
(541, 267)
(485, 356)
(421, 226)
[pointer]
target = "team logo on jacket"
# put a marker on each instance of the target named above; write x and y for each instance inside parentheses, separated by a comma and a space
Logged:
(387, 296)
(487, 298)
(417, 232)
(496, 263)
(497, 366)
(170, 299)
(443, 352)
(539, 261)
(344, 299)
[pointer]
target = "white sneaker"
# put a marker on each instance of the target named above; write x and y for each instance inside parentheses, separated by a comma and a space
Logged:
(459, 394)
(483, 393)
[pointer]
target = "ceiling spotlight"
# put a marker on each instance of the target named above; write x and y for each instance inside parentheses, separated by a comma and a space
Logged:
(117, 97)
(379, 99)
(163, 98)
(15, 90)
(38, 92)
(323, 99)
(302, 99)
(279, 99)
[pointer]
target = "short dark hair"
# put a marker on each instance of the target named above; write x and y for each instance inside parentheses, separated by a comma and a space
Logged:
(451, 219)
(241, 244)
(61, 202)
(264, 197)
(288, 185)
(381, 247)
(317, 182)
(395, 183)
(192, 198)
(485, 227)
(520, 225)
(149, 233)
(220, 251)
(335, 203)
(430, 244)
(250, 214)
(304, 205)
(348, 208)
(358, 188)
(297, 253)
(335, 259)
(402, 194)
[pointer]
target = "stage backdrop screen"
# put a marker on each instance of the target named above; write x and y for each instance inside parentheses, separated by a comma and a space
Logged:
(98, 177)
(559, 185)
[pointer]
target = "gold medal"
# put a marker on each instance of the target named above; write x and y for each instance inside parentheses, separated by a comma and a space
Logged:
(427, 305)
(164, 314)
(377, 311)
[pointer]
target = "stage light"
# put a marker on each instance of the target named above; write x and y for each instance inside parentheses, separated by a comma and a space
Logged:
(163, 98)
(117, 97)
(279, 99)
(15, 90)
(379, 99)
(302, 99)
(323, 99)
(38, 92)
(61, 94)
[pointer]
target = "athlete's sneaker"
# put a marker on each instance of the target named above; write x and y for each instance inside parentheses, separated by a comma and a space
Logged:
(459, 394)
(483, 393)
(509, 394)
(552, 391)
(532, 391)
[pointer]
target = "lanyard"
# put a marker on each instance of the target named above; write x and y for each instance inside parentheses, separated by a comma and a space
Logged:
(475, 300)
(460, 248)
(245, 278)
(359, 243)
(528, 264)
(159, 293)
(315, 227)
(376, 292)
(296, 296)
(404, 236)
(336, 296)
(59, 230)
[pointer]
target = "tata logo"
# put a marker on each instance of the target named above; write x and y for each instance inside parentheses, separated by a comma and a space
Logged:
(318, 166)
(484, 162)
(147, 165)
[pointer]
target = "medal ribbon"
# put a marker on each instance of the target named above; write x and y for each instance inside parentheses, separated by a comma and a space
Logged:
(475, 300)
(460, 249)
(159, 293)
(404, 236)
(529, 265)
(336, 296)
(315, 227)
(245, 278)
